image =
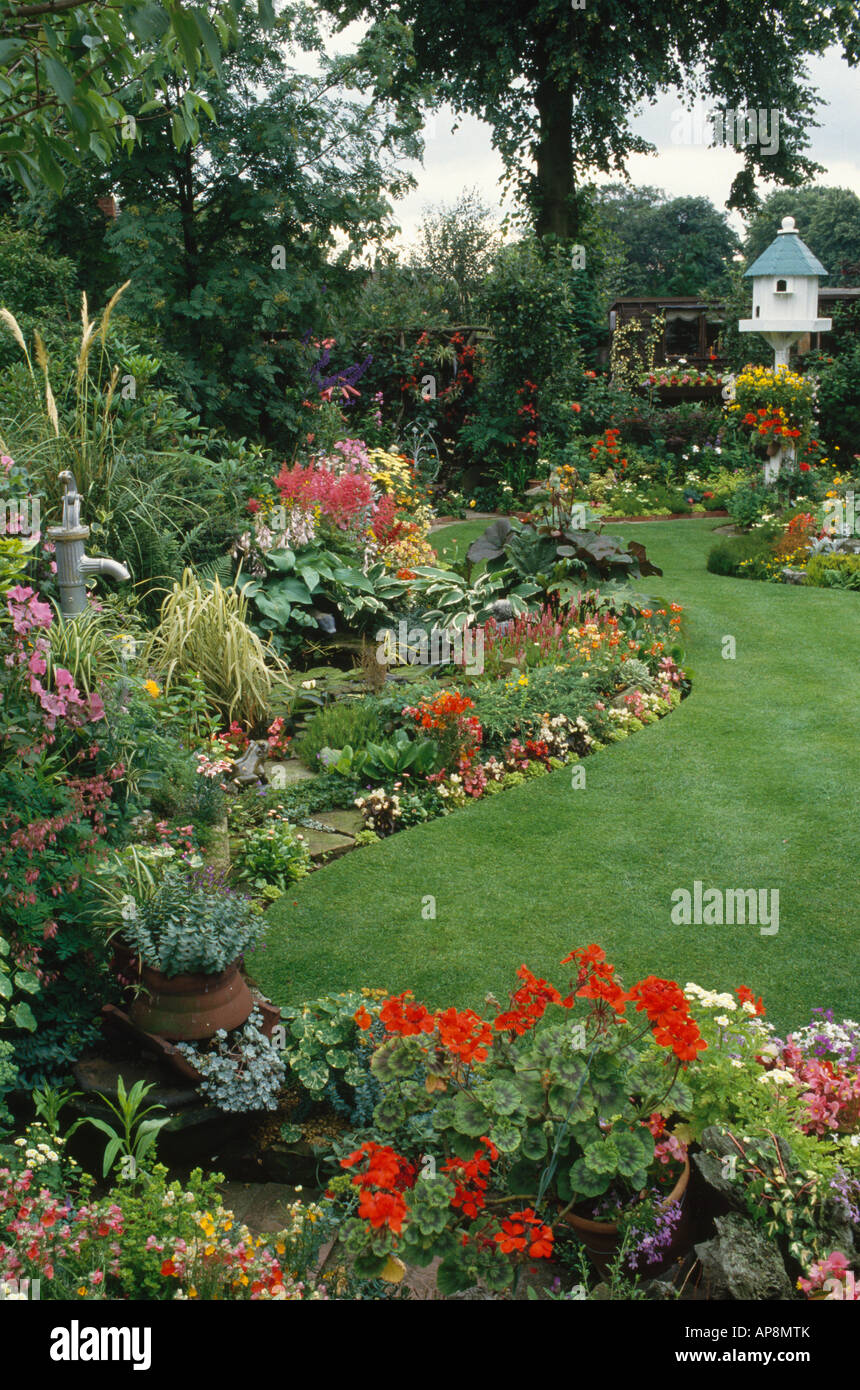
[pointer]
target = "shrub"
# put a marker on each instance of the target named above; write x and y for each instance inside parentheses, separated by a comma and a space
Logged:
(727, 555)
(839, 395)
(542, 312)
(355, 723)
(749, 503)
(273, 855)
(834, 571)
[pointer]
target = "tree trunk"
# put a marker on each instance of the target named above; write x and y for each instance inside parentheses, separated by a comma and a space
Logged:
(186, 212)
(555, 194)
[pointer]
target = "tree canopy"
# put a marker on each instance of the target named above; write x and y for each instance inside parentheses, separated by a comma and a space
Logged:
(235, 246)
(82, 77)
(456, 245)
(666, 245)
(559, 84)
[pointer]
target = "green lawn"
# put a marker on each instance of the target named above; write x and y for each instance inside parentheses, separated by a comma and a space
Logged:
(752, 783)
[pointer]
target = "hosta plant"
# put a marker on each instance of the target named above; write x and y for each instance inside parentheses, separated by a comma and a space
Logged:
(494, 1129)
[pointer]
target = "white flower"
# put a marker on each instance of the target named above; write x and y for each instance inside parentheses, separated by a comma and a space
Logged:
(722, 1021)
(726, 1001)
(748, 1007)
(778, 1077)
(737, 1063)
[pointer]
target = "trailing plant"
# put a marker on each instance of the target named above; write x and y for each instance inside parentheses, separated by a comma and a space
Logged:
(242, 1071)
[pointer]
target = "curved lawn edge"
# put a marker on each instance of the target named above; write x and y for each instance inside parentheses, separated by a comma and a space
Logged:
(748, 784)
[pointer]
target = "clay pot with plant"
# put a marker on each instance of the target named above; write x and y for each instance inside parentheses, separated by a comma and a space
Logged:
(188, 937)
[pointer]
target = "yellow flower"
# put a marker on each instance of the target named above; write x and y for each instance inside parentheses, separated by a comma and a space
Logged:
(472, 503)
(153, 687)
(82, 1292)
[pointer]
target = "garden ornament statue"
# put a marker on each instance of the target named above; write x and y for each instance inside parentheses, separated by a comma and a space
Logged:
(72, 564)
(785, 307)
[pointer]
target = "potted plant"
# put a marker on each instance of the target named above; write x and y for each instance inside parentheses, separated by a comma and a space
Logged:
(189, 935)
(500, 1131)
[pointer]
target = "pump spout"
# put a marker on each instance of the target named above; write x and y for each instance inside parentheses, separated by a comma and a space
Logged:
(99, 565)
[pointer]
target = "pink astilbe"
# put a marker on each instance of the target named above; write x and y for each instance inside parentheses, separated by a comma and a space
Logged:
(345, 499)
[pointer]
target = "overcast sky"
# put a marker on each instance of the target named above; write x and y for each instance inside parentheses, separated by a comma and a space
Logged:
(466, 159)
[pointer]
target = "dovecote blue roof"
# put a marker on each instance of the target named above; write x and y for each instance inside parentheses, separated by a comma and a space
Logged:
(786, 255)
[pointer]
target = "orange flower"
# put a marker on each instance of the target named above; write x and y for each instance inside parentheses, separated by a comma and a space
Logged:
(521, 1230)
(383, 1209)
(362, 1017)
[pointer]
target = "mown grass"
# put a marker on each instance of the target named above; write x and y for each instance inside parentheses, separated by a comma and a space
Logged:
(751, 783)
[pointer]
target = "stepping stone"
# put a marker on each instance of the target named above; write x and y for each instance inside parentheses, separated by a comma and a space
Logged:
(283, 774)
(261, 1206)
(323, 845)
(348, 822)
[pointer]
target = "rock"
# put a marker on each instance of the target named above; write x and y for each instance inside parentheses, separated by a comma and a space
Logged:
(847, 545)
(298, 1162)
(99, 1076)
(708, 1163)
(792, 575)
(741, 1263)
(325, 621)
(659, 1290)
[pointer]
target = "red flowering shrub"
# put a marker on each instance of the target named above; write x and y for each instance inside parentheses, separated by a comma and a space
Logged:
(446, 719)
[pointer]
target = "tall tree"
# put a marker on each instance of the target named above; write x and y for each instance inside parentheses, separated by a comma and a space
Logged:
(558, 82)
(828, 219)
(239, 241)
(456, 245)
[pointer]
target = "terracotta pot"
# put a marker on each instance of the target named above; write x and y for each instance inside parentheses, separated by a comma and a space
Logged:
(602, 1240)
(186, 1008)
